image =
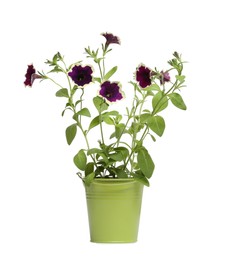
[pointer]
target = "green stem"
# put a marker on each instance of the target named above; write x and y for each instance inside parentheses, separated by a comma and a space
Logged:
(103, 67)
(87, 142)
(101, 128)
(54, 81)
(80, 118)
(101, 74)
(66, 73)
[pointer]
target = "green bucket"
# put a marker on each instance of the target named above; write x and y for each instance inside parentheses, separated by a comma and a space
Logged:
(114, 207)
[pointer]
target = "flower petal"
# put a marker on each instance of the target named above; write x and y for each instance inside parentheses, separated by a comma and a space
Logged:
(81, 75)
(111, 91)
(30, 71)
(143, 76)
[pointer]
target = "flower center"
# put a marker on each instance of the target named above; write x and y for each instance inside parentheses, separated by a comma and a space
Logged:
(80, 77)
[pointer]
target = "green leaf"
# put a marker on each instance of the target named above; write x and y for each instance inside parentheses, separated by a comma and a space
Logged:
(177, 101)
(110, 73)
(153, 138)
(80, 160)
(94, 151)
(119, 128)
(116, 157)
(89, 168)
(98, 80)
(77, 102)
(111, 113)
(159, 102)
(84, 112)
(71, 133)
(181, 78)
(157, 125)
(145, 117)
(145, 162)
(63, 92)
(153, 87)
(121, 174)
(138, 176)
(94, 122)
(56, 69)
(89, 178)
(123, 151)
(100, 104)
(108, 120)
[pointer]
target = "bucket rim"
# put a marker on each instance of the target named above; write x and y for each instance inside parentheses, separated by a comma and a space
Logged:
(106, 181)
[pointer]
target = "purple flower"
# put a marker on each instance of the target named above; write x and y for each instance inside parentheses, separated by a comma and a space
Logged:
(81, 75)
(165, 77)
(30, 76)
(111, 91)
(143, 76)
(110, 38)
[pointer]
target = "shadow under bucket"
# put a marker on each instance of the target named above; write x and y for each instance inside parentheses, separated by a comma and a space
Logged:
(114, 207)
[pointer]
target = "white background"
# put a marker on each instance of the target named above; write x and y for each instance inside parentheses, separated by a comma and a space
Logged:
(42, 201)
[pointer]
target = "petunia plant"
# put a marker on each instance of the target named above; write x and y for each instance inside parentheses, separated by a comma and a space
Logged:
(123, 151)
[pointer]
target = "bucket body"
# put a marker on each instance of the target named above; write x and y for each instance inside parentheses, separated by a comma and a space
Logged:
(114, 207)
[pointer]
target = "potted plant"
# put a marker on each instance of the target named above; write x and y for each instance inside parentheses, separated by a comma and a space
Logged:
(116, 168)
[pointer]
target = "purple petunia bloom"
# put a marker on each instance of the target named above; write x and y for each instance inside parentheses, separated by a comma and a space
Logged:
(110, 38)
(165, 77)
(81, 75)
(29, 76)
(111, 91)
(143, 76)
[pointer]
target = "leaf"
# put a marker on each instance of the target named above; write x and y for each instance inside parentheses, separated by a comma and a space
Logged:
(94, 122)
(89, 168)
(71, 133)
(145, 162)
(108, 120)
(98, 80)
(77, 102)
(124, 152)
(152, 87)
(181, 78)
(153, 138)
(94, 151)
(144, 117)
(111, 113)
(80, 160)
(121, 174)
(89, 178)
(110, 73)
(63, 92)
(119, 129)
(159, 102)
(56, 69)
(100, 104)
(157, 125)
(84, 112)
(138, 176)
(116, 157)
(177, 101)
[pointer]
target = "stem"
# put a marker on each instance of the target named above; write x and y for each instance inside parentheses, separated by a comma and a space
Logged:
(101, 128)
(80, 118)
(101, 74)
(87, 141)
(65, 71)
(103, 66)
(54, 81)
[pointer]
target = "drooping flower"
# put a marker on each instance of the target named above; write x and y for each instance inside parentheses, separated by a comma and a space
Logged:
(143, 76)
(165, 77)
(81, 75)
(30, 76)
(111, 91)
(110, 38)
